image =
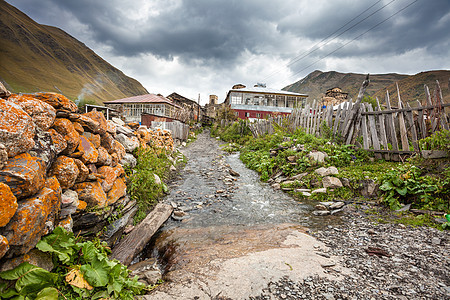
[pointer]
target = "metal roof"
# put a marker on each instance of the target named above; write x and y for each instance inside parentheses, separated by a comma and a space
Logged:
(263, 90)
(147, 98)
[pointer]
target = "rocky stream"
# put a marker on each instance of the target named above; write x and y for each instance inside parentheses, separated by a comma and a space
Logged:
(234, 237)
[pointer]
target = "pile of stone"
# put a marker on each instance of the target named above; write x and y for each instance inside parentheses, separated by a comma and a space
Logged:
(62, 168)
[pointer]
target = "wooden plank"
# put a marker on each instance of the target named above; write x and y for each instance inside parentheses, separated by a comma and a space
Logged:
(336, 120)
(364, 129)
(430, 113)
(355, 110)
(319, 117)
(421, 122)
(134, 243)
(373, 130)
(345, 115)
(401, 121)
(330, 116)
(410, 119)
(390, 125)
(313, 118)
(442, 115)
(381, 119)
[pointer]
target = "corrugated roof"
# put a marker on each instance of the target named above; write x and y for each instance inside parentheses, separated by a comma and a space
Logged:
(267, 91)
(147, 98)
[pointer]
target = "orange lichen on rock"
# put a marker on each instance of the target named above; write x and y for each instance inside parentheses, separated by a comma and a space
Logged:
(66, 171)
(28, 224)
(8, 204)
(66, 129)
(111, 127)
(92, 193)
(83, 170)
(17, 128)
(66, 223)
(104, 159)
(81, 205)
(118, 190)
(110, 177)
(4, 246)
(93, 138)
(98, 117)
(58, 101)
(90, 154)
(119, 149)
(78, 127)
(108, 142)
(43, 114)
(59, 143)
(24, 174)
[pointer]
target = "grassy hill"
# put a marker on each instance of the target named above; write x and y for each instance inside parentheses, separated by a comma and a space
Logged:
(411, 86)
(35, 57)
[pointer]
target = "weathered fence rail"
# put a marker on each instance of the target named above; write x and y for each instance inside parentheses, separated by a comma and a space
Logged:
(389, 133)
(179, 130)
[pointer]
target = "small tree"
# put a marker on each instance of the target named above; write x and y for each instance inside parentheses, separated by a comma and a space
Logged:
(225, 113)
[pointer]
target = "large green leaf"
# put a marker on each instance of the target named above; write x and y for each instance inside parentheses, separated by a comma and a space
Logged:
(59, 242)
(402, 191)
(96, 273)
(30, 279)
(49, 293)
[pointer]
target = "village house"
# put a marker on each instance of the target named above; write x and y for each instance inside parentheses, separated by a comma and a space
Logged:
(191, 110)
(212, 107)
(132, 108)
(334, 96)
(259, 102)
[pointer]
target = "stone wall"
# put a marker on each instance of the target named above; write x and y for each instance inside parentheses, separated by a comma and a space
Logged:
(62, 168)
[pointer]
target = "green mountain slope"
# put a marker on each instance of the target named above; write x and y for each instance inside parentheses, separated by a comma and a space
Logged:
(411, 86)
(35, 57)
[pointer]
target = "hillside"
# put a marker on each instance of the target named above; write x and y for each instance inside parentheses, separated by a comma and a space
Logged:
(411, 86)
(35, 57)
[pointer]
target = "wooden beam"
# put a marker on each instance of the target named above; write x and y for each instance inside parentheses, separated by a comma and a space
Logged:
(421, 108)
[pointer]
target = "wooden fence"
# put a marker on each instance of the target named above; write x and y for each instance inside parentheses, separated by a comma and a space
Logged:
(178, 129)
(368, 127)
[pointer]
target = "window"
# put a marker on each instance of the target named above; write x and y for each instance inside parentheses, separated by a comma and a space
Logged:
(247, 114)
(236, 114)
(258, 115)
(235, 99)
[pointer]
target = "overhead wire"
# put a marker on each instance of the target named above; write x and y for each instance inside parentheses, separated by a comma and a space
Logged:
(357, 37)
(317, 47)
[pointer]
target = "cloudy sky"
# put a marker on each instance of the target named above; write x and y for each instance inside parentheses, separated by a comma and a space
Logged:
(205, 46)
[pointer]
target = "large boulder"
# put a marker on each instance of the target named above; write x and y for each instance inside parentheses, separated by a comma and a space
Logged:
(90, 153)
(110, 176)
(93, 138)
(83, 171)
(43, 148)
(24, 174)
(59, 142)
(331, 182)
(29, 222)
(108, 142)
(326, 171)
(118, 190)
(92, 193)
(58, 101)
(66, 129)
(129, 143)
(16, 128)
(4, 93)
(98, 117)
(317, 156)
(104, 159)
(43, 114)
(111, 127)
(119, 149)
(65, 170)
(8, 204)
(129, 160)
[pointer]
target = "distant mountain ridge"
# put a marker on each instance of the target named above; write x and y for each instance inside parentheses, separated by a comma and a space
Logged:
(35, 57)
(411, 87)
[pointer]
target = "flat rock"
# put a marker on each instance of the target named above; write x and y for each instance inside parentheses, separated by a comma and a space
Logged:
(321, 190)
(331, 182)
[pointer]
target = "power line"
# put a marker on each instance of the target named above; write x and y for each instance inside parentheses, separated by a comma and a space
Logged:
(357, 37)
(317, 47)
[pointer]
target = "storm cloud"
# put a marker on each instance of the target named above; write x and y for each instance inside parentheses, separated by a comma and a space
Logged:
(205, 46)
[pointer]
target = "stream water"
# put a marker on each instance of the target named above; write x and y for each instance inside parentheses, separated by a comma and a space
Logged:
(238, 213)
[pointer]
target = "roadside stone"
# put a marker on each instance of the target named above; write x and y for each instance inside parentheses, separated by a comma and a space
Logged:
(78, 127)
(369, 188)
(321, 207)
(157, 179)
(43, 149)
(302, 190)
(59, 143)
(298, 176)
(24, 175)
(93, 138)
(118, 121)
(337, 205)
(122, 129)
(4, 246)
(92, 193)
(69, 203)
(111, 127)
(118, 190)
(43, 114)
(292, 158)
(66, 129)
(233, 173)
(8, 205)
(110, 176)
(118, 149)
(103, 159)
(306, 194)
(326, 171)
(98, 117)
(435, 241)
(17, 128)
(317, 156)
(321, 212)
(276, 186)
(321, 190)
(331, 182)
(58, 101)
